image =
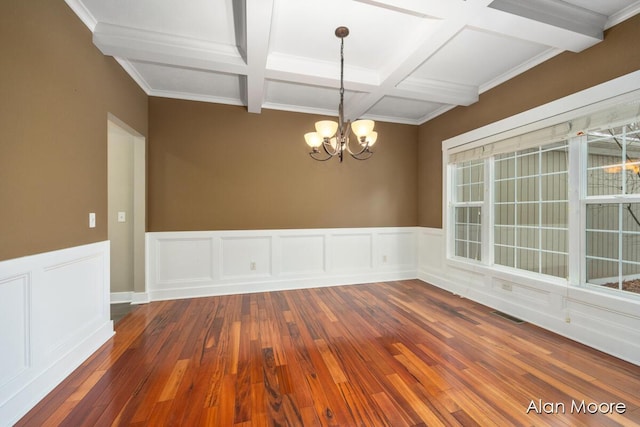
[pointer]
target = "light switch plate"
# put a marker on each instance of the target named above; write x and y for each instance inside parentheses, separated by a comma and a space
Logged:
(92, 220)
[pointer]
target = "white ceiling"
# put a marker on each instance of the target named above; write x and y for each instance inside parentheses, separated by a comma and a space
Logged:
(406, 61)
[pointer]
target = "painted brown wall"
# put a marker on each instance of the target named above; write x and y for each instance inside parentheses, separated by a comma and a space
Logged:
(567, 73)
(56, 89)
(217, 167)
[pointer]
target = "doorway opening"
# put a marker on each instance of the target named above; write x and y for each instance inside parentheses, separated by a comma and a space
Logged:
(126, 172)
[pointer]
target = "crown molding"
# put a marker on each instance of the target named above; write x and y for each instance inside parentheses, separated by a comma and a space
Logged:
(134, 74)
(83, 13)
(195, 97)
(623, 15)
(151, 46)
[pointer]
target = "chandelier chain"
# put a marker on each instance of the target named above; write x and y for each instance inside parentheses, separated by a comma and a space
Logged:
(341, 70)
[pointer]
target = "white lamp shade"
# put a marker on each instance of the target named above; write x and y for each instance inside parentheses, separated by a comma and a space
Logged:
(326, 128)
(313, 139)
(371, 138)
(362, 128)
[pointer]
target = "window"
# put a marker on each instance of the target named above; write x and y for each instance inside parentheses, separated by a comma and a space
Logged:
(612, 211)
(530, 219)
(469, 196)
(558, 202)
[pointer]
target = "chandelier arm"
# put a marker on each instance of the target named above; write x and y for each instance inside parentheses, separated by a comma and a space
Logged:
(365, 149)
(360, 157)
(329, 149)
(314, 154)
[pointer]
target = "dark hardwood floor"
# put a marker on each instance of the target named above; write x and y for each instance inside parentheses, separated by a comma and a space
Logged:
(398, 353)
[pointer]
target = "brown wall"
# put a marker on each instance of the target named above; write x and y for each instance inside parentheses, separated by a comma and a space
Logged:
(217, 167)
(563, 75)
(56, 89)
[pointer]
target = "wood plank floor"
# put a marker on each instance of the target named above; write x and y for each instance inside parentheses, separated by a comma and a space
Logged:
(385, 354)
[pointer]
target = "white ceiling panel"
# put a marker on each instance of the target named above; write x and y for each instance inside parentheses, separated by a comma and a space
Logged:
(477, 57)
(211, 20)
(401, 110)
(303, 98)
(305, 29)
(175, 82)
(405, 61)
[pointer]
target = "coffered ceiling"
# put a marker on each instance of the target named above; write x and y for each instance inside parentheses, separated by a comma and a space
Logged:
(406, 61)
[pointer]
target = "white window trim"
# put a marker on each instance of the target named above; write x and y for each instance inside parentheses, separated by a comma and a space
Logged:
(577, 221)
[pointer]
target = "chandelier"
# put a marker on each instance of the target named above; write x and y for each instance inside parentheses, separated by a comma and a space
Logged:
(331, 139)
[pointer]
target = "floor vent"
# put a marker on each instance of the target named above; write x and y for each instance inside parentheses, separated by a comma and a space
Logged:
(508, 317)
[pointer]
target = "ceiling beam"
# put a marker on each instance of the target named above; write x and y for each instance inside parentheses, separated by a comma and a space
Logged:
(150, 46)
(558, 14)
(258, 30)
(562, 32)
(435, 91)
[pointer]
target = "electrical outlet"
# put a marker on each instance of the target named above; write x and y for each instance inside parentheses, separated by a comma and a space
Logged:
(122, 216)
(252, 265)
(507, 287)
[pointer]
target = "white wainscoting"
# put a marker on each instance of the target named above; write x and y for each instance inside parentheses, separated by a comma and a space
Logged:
(54, 313)
(601, 320)
(206, 263)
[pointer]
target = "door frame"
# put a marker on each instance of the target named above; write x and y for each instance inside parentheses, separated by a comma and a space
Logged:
(139, 217)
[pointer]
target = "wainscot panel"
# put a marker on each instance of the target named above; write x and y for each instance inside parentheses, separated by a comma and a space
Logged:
(601, 320)
(54, 313)
(302, 254)
(264, 260)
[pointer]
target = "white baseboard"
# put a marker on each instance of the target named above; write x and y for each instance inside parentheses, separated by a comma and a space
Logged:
(140, 298)
(54, 313)
(277, 285)
(129, 297)
(121, 297)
